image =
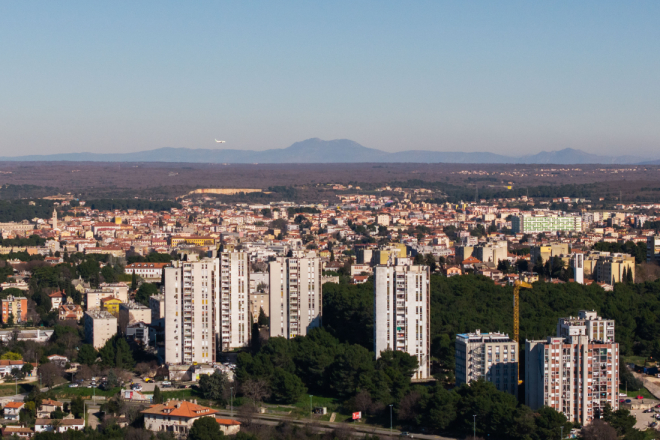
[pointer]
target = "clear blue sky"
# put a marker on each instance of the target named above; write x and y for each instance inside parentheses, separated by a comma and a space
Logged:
(507, 77)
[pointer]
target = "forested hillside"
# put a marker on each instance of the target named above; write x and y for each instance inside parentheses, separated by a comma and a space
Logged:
(466, 303)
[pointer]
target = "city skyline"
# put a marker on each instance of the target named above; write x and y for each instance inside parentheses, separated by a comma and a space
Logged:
(511, 78)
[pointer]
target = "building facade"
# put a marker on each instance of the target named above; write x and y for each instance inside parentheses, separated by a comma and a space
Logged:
(99, 327)
(527, 224)
(489, 356)
(653, 248)
(16, 307)
(192, 311)
(402, 311)
(234, 300)
(295, 296)
(576, 372)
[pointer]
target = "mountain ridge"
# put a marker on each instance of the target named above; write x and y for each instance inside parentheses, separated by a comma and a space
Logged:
(316, 150)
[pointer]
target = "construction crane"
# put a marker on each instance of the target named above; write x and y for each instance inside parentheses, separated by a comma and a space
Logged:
(516, 317)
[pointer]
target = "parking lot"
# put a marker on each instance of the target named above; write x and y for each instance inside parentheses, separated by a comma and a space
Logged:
(645, 419)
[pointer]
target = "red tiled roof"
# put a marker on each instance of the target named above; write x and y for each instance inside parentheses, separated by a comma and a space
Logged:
(15, 405)
(185, 409)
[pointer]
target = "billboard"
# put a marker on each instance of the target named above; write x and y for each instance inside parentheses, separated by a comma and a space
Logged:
(357, 415)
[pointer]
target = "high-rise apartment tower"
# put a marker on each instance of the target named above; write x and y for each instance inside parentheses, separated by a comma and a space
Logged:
(402, 311)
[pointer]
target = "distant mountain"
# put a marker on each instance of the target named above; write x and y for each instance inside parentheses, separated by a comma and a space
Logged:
(336, 151)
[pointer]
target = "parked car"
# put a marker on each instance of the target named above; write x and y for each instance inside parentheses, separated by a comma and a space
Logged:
(73, 385)
(640, 397)
(654, 424)
(166, 384)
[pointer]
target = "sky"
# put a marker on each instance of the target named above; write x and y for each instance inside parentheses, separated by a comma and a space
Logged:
(507, 77)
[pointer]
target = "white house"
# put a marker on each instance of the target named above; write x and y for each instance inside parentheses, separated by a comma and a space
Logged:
(13, 409)
(58, 425)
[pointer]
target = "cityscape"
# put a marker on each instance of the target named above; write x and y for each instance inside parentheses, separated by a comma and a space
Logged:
(305, 221)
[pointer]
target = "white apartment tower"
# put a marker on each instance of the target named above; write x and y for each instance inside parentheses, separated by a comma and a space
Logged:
(234, 300)
(191, 311)
(577, 262)
(295, 296)
(577, 372)
(402, 311)
(489, 356)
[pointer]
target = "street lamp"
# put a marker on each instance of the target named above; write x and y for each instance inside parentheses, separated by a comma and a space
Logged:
(231, 401)
(474, 426)
(310, 407)
(562, 433)
(390, 419)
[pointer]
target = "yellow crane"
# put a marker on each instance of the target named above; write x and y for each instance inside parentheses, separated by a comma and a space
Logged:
(516, 317)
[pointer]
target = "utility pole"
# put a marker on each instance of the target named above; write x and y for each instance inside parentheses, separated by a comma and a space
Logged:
(310, 407)
(474, 427)
(562, 433)
(231, 401)
(390, 419)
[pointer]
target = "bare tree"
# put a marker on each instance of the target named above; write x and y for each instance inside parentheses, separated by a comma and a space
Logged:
(247, 412)
(255, 390)
(84, 372)
(49, 373)
(363, 401)
(598, 430)
(409, 406)
(137, 434)
(143, 368)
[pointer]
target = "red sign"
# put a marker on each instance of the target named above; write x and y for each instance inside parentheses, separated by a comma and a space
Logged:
(357, 415)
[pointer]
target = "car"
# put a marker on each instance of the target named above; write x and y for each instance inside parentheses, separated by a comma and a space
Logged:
(148, 379)
(90, 386)
(654, 424)
(73, 385)
(628, 401)
(406, 434)
(646, 411)
(639, 397)
(166, 383)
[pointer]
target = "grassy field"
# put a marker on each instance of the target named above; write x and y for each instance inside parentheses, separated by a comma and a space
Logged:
(637, 360)
(632, 394)
(65, 391)
(10, 388)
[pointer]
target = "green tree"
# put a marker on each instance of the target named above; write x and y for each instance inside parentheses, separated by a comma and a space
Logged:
(263, 320)
(57, 414)
(205, 428)
(286, 387)
(158, 396)
(213, 386)
(124, 354)
(108, 353)
(87, 354)
(77, 407)
(146, 291)
(621, 420)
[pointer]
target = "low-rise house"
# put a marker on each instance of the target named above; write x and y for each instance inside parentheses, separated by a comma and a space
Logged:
(6, 366)
(70, 311)
(13, 410)
(58, 359)
(176, 416)
(20, 431)
(47, 407)
(229, 426)
(56, 299)
(58, 425)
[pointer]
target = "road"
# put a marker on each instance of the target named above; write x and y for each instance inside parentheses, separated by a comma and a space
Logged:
(272, 420)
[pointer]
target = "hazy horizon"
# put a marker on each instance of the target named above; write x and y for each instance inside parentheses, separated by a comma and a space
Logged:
(512, 78)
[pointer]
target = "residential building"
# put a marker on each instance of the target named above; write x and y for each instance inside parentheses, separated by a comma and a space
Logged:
(70, 310)
(234, 300)
(653, 248)
(111, 305)
(295, 296)
(586, 323)
(94, 297)
(176, 416)
(157, 306)
(259, 301)
(58, 359)
(192, 311)
(48, 406)
(528, 224)
(59, 426)
(133, 312)
(491, 252)
(547, 251)
(614, 268)
(402, 311)
(577, 263)
(147, 271)
(13, 409)
(576, 372)
(16, 307)
(19, 431)
(489, 356)
(56, 299)
(99, 327)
